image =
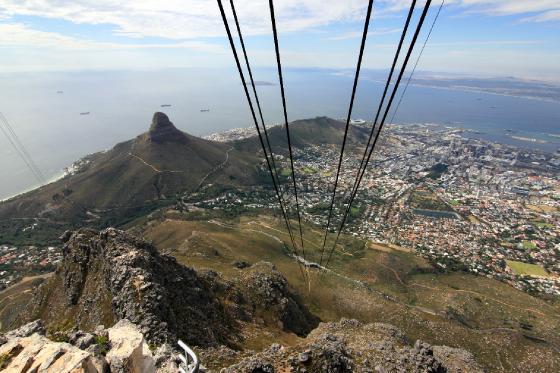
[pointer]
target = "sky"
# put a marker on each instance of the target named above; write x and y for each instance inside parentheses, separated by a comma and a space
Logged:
(473, 37)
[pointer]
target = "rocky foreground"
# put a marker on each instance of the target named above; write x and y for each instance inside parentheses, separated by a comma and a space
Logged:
(149, 300)
(121, 348)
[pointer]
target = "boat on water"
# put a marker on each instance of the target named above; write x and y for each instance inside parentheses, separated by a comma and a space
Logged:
(204, 110)
(85, 113)
(165, 105)
(59, 92)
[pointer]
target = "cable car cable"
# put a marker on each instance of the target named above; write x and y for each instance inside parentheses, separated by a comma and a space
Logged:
(281, 80)
(401, 73)
(354, 86)
(240, 70)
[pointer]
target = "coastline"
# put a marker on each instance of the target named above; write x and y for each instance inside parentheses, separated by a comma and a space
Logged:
(53, 179)
(248, 132)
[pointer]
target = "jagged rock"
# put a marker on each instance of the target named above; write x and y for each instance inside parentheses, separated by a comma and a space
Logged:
(100, 331)
(162, 130)
(111, 275)
(268, 291)
(251, 365)
(241, 264)
(457, 360)
(129, 352)
(81, 339)
(36, 353)
(304, 357)
(165, 358)
(26, 330)
(349, 346)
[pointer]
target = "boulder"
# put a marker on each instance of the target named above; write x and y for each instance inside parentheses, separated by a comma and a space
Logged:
(27, 330)
(129, 352)
(457, 360)
(274, 301)
(36, 353)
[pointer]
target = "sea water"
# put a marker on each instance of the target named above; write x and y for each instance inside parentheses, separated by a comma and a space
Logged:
(121, 104)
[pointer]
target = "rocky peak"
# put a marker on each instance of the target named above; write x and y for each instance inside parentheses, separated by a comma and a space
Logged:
(270, 293)
(110, 275)
(163, 130)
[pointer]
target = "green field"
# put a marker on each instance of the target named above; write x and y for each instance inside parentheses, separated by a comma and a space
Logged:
(528, 245)
(454, 202)
(309, 170)
(427, 200)
(543, 225)
(285, 172)
(521, 268)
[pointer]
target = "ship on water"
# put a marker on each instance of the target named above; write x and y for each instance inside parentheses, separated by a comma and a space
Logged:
(165, 105)
(85, 113)
(204, 110)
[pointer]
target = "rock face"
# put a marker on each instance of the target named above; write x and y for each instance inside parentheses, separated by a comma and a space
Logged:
(113, 278)
(111, 275)
(26, 330)
(37, 353)
(272, 299)
(162, 130)
(127, 352)
(351, 346)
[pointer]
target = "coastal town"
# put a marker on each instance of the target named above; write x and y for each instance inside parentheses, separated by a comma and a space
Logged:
(17, 262)
(462, 202)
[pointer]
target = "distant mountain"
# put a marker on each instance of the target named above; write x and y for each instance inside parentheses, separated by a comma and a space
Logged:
(153, 170)
(316, 131)
(505, 85)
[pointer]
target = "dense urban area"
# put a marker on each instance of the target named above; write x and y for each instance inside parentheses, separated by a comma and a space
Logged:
(464, 203)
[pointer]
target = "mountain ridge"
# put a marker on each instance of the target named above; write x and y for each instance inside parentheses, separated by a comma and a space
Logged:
(155, 169)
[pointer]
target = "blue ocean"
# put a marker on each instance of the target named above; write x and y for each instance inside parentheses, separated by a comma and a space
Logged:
(44, 110)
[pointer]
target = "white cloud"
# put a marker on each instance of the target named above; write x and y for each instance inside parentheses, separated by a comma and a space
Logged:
(19, 35)
(186, 19)
(509, 7)
(187, 24)
(358, 34)
(542, 10)
(189, 19)
(468, 43)
(552, 15)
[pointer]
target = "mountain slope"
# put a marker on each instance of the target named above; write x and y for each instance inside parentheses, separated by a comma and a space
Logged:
(155, 169)
(132, 178)
(315, 131)
(110, 275)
